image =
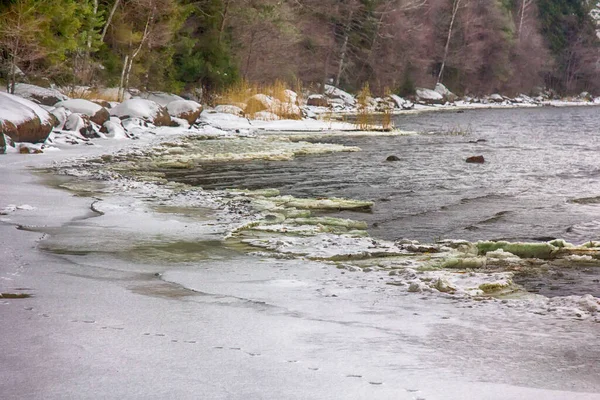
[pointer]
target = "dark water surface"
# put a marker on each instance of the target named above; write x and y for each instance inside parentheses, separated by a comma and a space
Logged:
(541, 178)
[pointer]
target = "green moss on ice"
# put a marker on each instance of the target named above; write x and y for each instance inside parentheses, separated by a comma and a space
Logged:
(523, 250)
(256, 193)
(329, 221)
(464, 263)
(493, 287)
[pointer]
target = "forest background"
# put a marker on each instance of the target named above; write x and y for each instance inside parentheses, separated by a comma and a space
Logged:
(474, 47)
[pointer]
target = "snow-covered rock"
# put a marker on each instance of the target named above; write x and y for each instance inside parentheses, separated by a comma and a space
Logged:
(429, 96)
(38, 94)
(61, 114)
(185, 109)
(161, 98)
(82, 124)
(401, 102)
(114, 129)
(317, 100)
(445, 92)
(259, 102)
(146, 110)
(23, 120)
(97, 114)
(334, 93)
(290, 96)
(496, 98)
(263, 103)
(230, 109)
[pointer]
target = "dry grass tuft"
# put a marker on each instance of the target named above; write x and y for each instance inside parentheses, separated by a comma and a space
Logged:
(282, 101)
(386, 117)
(364, 118)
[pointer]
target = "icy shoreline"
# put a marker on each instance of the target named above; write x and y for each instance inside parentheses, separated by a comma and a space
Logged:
(279, 293)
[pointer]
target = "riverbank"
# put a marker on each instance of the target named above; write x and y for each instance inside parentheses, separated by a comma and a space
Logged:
(137, 283)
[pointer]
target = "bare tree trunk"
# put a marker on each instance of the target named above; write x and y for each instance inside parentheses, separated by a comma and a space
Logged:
(455, 7)
(524, 4)
(122, 81)
(223, 20)
(249, 56)
(86, 64)
(326, 71)
(343, 50)
(91, 31)
(13, 66)
(137, 51)
(109, 20)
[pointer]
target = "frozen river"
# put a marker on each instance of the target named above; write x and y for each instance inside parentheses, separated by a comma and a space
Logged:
(541, 178)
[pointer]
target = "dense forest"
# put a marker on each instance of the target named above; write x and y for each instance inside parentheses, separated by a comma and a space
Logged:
(472, 46)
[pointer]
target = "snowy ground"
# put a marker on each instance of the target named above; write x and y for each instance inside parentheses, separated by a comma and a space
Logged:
(137, 293)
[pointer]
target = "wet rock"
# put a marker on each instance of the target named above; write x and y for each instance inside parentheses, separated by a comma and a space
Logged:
(392, 158)
(475, 160)
(415, 287)
(442, 285)
(317, 100)
(26, 148)
(23, 120)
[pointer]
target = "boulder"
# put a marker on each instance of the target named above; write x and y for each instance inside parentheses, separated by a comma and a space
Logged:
(262, 103)
(317, 100)
(38, 94)
(146, 110)
(185, 109)
(334, 93)
(447, 94)
(23, 120)
(475, 160)
(60, 114)
(82, 124)
(114, 129)
(586, 96)
(161, 98)
(96, 113)
(392, 158)
(429, 96)
(230, 109)
(496, 98)
(401, 102)
(259, 102)
(290, 97)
